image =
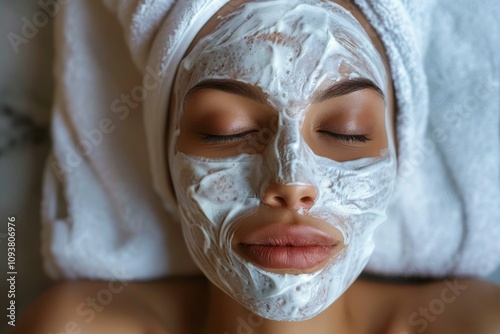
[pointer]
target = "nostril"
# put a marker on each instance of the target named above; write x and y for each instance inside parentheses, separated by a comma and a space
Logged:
(278, 201)
(308, 201)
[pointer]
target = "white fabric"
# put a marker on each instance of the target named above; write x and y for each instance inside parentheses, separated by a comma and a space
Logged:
(445, 216)
(105, 220)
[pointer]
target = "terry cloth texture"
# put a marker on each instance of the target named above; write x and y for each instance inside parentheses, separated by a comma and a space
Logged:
(108, 209)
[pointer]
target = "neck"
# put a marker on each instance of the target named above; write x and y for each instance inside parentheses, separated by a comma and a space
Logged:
(226, 316)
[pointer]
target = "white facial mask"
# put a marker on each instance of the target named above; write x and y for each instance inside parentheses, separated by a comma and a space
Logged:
(314, 42)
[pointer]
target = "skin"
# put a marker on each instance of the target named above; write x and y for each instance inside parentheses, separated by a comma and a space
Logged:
(194, 305)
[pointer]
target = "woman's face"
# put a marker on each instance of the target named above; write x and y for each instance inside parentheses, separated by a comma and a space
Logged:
(282, 153)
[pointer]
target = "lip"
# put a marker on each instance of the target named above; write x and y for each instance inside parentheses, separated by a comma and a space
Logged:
(288, 246)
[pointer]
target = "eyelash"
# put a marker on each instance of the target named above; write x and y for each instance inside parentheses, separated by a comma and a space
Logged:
(347, 138)
(217, 139)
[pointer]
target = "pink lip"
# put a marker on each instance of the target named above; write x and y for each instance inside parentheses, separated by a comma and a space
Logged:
(288, 246)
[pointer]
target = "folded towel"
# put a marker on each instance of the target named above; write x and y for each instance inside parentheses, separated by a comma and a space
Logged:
(101, 216)
(445, 217)
(103, 219)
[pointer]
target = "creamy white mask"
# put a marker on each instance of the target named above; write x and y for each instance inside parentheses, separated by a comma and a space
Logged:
(290, 49)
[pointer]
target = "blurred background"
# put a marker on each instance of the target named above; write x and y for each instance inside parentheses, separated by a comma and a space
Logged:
(26, 89)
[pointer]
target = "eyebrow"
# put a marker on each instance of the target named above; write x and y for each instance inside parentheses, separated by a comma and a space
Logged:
(345, 87)
(228, 86)
(249, 91)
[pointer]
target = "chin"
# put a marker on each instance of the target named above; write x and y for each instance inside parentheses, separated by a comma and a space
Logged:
(282, 296)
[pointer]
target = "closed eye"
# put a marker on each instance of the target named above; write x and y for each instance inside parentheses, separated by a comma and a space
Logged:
(217, 139)
(346, 138)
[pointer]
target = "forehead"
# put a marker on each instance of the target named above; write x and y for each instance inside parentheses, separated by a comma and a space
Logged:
(232, 5)
(286, 47)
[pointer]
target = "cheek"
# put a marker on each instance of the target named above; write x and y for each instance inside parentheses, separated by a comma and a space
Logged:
(216, 191)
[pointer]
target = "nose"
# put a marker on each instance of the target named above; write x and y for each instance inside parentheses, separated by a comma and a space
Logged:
(288, 196)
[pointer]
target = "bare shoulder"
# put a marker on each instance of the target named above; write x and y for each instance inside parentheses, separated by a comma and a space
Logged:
(109, 307)
(463, 305)
(483, 299)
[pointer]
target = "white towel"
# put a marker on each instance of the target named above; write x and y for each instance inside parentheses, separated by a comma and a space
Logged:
(105, 219)
(445, 217)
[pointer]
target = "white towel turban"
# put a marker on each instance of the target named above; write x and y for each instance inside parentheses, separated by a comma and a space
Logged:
(104, 218)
